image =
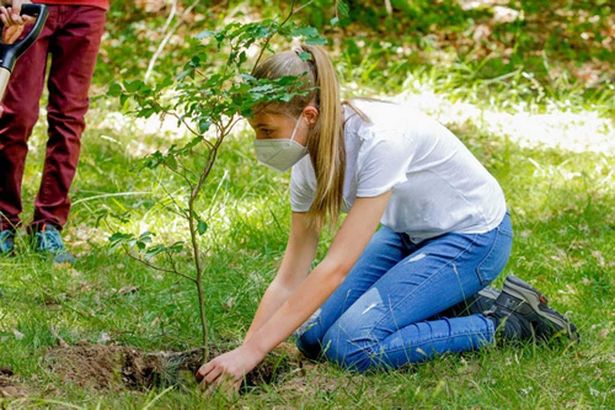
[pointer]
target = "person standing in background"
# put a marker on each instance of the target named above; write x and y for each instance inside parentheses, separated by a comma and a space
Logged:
(71, 37)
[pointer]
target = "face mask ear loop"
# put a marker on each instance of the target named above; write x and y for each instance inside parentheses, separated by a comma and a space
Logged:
(292, 137)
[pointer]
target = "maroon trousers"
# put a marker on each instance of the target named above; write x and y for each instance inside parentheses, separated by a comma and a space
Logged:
(71, 38)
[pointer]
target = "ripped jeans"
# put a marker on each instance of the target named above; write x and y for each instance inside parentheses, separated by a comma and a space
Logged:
(385, 313)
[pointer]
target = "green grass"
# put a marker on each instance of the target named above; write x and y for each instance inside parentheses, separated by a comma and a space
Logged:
(562, 208)
(561, 204)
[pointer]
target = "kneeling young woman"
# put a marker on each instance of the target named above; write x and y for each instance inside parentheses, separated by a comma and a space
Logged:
(400, 295)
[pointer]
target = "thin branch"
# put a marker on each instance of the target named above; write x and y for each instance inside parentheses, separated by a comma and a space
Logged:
(260, 55)
(173, 211)
(184, 177)
(233, 124)
(188, 171)
(149, 264)
(185, 123)
(177, 205)
(211, 158)
(172, 261)
(303, 6)
(158, 268)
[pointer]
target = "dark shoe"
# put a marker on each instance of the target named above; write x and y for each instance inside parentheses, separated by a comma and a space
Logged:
(49, 240)
(7, 242)
(522, 313)
(478, 303)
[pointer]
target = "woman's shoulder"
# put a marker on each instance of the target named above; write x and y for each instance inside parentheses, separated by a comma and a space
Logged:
(376, 117)
(398, 121)
(378, 122)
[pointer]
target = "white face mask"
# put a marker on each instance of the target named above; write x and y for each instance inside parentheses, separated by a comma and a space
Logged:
(280, 153)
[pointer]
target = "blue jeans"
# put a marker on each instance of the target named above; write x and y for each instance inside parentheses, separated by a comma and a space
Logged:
(385, 313)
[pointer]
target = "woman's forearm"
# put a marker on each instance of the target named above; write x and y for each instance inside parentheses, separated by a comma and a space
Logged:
(295, 266)
(298, 307)
(311, 293)
(275, 295)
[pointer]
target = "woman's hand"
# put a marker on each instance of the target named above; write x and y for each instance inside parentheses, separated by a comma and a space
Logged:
(230, 367)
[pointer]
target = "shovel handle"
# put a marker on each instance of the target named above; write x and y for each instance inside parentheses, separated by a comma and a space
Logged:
(10, 53)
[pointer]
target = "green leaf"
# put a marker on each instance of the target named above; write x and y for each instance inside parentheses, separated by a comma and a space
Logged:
(204, 126)
(118, 237)
(115, 90)
(134, 86)
(154, 250)
(304, 31)
(171, 162)
(316, 41)
(201, 227)
(176, 247)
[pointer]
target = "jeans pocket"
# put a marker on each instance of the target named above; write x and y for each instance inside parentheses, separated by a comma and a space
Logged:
(494, 262)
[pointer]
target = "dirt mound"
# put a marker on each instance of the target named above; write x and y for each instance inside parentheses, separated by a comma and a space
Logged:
(101, 367)
(9, 387)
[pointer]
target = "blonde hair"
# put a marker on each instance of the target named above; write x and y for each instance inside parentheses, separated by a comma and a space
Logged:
(326, 141)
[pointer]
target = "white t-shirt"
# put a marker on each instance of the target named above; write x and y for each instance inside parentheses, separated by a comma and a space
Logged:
(438, 185)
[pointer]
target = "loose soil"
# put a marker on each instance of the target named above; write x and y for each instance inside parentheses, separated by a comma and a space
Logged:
(9, 386)
(102, 367)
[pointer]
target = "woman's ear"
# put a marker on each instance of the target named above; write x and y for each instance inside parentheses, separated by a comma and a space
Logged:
(311, 114)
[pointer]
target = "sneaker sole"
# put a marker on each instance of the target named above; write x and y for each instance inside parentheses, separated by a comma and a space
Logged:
(523, 291)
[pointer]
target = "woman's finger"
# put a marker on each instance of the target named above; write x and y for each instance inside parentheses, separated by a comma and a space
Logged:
(202, 372)
(227, 379)
(213, 375)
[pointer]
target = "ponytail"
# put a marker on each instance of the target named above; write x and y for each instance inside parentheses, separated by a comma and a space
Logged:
(327, 151)
(326, 140)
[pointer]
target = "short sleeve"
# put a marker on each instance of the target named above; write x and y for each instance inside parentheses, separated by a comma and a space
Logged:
(302, 186)
(383, 164)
